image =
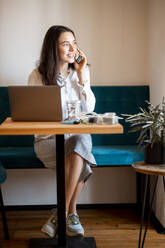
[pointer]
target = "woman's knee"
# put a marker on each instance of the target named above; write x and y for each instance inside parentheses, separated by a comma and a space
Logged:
(74, 155)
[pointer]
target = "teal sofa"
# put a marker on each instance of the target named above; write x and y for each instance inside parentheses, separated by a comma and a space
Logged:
(16, 151)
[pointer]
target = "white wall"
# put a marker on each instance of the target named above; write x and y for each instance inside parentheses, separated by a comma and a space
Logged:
(156, 60)
(107, 185)
(113, 33)
(156, 56)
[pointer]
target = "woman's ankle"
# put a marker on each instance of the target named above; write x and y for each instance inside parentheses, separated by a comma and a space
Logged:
(72, 211)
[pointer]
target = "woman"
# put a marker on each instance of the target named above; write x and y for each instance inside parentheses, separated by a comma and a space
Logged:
(57, 66)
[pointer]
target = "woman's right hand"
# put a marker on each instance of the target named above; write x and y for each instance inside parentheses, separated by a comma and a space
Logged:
(81, 66)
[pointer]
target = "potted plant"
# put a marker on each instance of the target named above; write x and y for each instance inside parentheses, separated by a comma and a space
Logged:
(150, 123)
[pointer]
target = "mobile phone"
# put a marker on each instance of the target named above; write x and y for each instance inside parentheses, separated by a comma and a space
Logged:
(78, 59)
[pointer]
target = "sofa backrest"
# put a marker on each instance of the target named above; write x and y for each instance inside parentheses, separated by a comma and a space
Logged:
(122, 100)
(119, 99)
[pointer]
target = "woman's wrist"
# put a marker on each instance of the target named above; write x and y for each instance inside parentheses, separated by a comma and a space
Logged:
(82, 83)
(82, 78)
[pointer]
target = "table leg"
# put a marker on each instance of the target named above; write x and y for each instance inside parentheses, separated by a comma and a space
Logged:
(143, 210)
(164, 183)
(60, 168)
(62, 242)
(4, 221)
(141, 244)
(138, 190)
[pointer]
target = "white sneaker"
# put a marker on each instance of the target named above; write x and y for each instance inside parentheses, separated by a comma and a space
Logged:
(73, 226)
(50, 227)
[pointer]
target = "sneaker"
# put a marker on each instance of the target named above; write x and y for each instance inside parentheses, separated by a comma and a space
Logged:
(50, 227)
(73, 226)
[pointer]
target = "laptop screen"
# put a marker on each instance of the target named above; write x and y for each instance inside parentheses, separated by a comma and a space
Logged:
(35, 103)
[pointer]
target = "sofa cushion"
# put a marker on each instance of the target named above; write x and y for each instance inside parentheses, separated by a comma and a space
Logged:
(24, 157)
(19, 157)
(116, 155)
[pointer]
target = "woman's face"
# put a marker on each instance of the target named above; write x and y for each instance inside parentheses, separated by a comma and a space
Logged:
(67, 47)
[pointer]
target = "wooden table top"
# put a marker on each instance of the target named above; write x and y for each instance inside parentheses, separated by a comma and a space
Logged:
(9, 127)
(150, 169)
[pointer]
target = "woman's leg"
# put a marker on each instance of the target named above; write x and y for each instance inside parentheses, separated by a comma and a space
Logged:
(72, 205)
(73, 167)
(73, 202)
(75, 163)
(66, 177)
(73, 189)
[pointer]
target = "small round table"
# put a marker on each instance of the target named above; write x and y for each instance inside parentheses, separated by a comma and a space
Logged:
(148, 169)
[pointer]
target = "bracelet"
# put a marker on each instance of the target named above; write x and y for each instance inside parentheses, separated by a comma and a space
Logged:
(82, 83)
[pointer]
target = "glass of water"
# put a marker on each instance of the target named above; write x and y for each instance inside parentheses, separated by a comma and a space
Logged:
(73, 109)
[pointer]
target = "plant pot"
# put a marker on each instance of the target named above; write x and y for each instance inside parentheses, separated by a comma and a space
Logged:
(154, 154)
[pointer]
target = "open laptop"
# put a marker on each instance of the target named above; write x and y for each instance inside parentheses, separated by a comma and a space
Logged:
(35, 103)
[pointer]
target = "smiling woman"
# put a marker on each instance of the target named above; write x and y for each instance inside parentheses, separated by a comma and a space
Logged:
(58, 67)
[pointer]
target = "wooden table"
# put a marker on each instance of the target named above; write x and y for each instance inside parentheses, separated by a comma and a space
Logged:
(8, 127)
(148, 169)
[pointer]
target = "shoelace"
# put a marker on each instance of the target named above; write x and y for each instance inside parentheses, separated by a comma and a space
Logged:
(73, 219)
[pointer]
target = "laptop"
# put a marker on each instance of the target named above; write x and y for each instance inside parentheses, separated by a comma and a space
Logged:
(35, 103)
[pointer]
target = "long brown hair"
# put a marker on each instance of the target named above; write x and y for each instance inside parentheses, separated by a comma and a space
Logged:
(49, 54)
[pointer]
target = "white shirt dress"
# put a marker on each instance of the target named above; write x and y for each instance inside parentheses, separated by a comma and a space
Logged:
(45, 145)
